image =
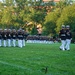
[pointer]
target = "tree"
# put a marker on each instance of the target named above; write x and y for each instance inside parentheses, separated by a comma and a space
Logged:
(50, 22)
(6, 16)
(1, 5)
(6, 10)
(34, 30)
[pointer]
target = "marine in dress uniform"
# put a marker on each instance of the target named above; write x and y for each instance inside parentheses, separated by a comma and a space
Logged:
(23, 31)
(4, 36)
(20, 38)
(14, 37)
(62, 35)
(0, 37)
(9, 38)
(68, 37)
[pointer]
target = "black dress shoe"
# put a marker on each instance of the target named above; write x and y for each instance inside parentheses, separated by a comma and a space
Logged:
(60, 48)
(65, 49)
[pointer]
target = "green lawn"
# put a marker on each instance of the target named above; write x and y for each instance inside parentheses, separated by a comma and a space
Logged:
(37, 59)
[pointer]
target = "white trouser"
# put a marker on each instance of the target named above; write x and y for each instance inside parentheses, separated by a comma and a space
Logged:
(23, 42)
(9, 42)
(68, 41)
(14, 42)
(20, 43)
(0, 42)
(4, 43)
(63, 44)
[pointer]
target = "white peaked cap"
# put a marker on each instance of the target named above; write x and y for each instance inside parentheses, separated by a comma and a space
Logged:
(63, 26)
(67, 26)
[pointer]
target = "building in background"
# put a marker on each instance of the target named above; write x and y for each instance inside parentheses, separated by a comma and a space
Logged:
(51, 0)
(58, 0)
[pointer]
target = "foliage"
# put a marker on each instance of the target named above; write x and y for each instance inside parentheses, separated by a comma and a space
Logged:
(34, 30)
(6, 16)
(38, 17)
(50, 21)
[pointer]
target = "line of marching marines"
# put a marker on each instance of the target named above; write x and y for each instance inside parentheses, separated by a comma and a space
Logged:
(12, 38)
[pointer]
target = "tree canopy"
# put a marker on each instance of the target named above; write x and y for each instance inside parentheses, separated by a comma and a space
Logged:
(27, 14)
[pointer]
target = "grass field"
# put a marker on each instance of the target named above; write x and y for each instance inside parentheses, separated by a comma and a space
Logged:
(37, 59)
